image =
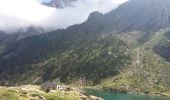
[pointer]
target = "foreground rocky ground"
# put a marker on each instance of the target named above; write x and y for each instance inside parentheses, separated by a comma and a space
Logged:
(32, 92)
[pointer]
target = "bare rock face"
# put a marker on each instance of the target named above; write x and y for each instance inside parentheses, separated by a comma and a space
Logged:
(60, 3)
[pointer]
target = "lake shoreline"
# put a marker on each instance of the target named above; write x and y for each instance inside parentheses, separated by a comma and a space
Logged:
(120, 91)
(119, 95)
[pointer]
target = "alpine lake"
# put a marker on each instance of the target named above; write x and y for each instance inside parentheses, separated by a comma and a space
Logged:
(121, 96)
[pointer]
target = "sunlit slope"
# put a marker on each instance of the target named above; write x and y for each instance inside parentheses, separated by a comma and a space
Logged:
(148, 73)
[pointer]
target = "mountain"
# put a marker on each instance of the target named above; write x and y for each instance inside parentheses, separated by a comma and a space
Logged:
(3, 36)
(151, 16)
(29, 31)
(60, 3)
(127, 49)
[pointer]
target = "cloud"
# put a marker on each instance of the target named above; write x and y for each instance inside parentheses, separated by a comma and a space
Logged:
(16, 14)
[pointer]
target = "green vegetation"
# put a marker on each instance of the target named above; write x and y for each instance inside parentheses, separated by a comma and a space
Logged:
(92, 59)
(8, 94)
(148, 72)
(35, 93)
(163, 47)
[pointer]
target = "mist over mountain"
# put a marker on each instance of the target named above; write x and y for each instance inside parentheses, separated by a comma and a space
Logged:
(32, 13)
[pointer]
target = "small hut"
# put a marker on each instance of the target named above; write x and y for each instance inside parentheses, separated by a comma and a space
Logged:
(47, 86)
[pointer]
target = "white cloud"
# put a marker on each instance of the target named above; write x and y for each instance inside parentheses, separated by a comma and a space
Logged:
(15, 14)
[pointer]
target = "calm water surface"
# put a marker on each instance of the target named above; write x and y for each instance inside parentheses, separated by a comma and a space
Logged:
(115, 96)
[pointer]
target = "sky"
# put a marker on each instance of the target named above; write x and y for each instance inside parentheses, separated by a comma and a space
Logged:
(44, 0)
(16, 14)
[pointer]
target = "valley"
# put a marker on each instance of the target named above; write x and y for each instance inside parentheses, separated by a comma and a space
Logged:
(125, 51)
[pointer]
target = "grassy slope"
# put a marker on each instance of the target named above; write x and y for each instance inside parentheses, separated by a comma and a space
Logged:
(30, 92)
(148, 72)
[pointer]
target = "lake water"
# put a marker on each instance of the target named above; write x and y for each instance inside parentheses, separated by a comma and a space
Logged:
(116, 96)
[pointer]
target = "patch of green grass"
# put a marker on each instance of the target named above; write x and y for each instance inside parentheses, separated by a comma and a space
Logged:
(18, 94)
(9, 95)
(60, 95)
